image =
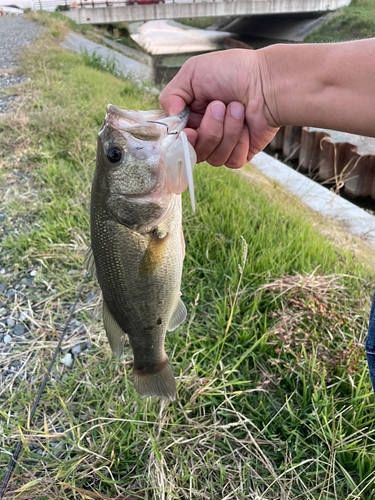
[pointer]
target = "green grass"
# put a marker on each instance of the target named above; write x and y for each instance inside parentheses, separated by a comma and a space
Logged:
(354, 22)
(101, 63)
(57, 24)
(274, 398)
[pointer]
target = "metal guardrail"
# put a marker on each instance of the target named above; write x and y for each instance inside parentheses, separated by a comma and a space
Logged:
(66, 5)
(50, 5)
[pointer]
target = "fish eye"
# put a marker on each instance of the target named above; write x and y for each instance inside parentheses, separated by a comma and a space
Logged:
(114, 154)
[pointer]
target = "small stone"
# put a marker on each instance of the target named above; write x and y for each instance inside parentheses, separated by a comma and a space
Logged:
(15, 364)
(27, 282)
(2, 287)
(19, 329)
(1, 337)
(2, 310)
(76, 349)
(34, 273)
(2, 217)
(59, 445)
(67, 360)
(10, 322)
(2, 270)
(86, 345)
(23, 316)
(10, 293)
(7, 339)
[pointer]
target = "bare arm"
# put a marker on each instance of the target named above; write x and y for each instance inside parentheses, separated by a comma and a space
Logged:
(322, 85)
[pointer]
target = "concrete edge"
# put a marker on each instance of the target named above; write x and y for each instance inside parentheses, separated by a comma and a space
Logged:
(318, 198)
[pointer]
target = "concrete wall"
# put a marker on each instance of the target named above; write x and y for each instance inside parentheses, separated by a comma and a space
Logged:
(106, 15)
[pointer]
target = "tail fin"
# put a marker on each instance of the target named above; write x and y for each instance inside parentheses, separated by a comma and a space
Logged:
(159, 384)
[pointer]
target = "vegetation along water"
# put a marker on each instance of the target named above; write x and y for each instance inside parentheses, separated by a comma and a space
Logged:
(273, 394)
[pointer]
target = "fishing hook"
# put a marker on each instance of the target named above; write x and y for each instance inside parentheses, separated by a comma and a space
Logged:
(165, 125)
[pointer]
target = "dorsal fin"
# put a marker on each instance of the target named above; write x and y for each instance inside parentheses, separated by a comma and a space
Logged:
(115, 334)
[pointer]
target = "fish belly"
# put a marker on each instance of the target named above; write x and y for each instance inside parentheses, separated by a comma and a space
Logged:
(140, 277)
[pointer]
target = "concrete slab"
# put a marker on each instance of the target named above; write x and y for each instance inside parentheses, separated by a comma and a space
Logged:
(171, 37)
(127, 66)
(318, 198)
(111, 14)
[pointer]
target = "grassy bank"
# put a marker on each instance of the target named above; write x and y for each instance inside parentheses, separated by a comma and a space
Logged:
(353, 22)
(274, 399)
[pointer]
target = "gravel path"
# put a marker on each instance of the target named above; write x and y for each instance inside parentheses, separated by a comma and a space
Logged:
(15, 33)
(31, 320)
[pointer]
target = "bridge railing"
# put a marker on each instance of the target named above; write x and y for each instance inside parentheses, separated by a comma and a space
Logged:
(52, 5)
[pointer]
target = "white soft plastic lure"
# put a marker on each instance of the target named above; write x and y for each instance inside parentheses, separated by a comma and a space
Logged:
(179, 160)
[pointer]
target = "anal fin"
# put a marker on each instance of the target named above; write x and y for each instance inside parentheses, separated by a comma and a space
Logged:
(178, 316)
(115, 334)
(159, 384)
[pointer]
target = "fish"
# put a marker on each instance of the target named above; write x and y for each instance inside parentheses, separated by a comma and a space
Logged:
(137, 244)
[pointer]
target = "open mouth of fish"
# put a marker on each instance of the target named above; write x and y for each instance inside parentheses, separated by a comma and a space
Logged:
(146, 125)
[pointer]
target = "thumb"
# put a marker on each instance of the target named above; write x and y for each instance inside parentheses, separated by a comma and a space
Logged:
(172, 104)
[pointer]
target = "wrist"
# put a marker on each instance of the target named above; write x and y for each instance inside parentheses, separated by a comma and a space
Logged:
(269, 76)
(293, 81)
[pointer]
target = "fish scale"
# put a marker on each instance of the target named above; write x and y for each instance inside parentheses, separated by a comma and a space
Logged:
(137, 247)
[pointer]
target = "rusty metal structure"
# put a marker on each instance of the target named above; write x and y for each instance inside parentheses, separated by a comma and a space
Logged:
(346, 161)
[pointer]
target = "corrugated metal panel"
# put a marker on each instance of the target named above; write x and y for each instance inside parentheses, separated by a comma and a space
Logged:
(346, 160)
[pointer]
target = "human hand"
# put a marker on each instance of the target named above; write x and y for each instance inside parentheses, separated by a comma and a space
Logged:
(229, 121)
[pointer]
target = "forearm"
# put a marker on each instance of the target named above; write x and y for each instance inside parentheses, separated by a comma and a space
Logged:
(322, 85)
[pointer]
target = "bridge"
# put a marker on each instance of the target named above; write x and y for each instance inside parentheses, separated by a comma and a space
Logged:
(114, 11)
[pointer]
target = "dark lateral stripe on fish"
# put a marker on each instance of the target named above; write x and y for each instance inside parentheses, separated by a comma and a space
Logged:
(161, 383)
(154, 254)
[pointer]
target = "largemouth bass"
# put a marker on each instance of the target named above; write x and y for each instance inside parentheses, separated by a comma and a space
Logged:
(137, 244)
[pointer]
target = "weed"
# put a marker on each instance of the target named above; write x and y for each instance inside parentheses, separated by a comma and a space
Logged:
(100, 62)
(356, 21)
(274, 398)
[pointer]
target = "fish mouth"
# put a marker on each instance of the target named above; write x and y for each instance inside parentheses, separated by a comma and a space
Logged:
(145, 125)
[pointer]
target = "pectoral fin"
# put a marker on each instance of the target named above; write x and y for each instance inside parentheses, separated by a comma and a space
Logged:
(178, 316)
(115, 334)
(90, 262)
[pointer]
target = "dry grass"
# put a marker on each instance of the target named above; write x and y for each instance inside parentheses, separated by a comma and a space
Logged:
(274, 400)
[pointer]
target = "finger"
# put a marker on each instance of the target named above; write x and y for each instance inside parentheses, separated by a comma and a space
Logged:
(233, 125)
(173, 105)
(239, 155)
(178, 93)
(195, 119)
(191, 136)
(210, 131)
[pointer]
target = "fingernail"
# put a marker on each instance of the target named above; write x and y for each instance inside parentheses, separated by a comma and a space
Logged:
(237, 110)
(218, 110)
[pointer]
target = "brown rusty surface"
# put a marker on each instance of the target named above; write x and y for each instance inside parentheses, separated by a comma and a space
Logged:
(345, 160)
(278, 141)
(292, 142)
(309, 154)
